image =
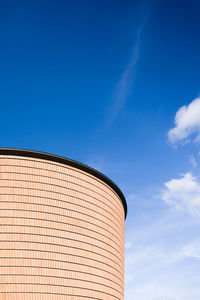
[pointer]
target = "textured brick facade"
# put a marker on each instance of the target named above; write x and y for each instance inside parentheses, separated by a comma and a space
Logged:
(61, 232)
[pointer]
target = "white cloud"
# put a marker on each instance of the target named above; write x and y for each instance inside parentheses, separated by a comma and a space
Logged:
(128, 278)
(187, 121)
(192, 249)
(183, 193)
(126, 81)
(155, 291)
(193, 161)
(128, 245)
(150, 269)
(156, 266)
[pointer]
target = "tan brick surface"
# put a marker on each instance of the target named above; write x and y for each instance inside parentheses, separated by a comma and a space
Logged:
(61, 233)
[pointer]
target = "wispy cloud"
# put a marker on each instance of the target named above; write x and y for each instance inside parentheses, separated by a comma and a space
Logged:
(157, 263)
(187, 122)
(192, 249)
(193, 161)
(123, 87)
(106, 165)
(97, 162)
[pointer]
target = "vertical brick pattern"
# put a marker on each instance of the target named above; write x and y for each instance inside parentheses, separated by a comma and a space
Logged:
(61, 233)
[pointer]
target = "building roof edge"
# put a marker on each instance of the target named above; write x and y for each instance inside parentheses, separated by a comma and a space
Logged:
(69, 162)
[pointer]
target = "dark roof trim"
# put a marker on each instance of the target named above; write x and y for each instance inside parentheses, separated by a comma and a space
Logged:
(69, 162)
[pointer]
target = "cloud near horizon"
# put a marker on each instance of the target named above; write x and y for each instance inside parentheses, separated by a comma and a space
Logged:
(187, 122)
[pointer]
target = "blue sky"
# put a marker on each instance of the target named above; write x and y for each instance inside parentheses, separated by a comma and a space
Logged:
(116, 85)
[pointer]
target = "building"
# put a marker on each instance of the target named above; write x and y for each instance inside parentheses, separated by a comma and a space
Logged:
(61, 229)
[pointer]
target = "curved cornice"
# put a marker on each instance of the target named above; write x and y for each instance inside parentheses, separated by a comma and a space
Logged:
(69, 162)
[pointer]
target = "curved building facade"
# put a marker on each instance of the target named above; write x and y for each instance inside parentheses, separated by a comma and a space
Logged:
(61, 229)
